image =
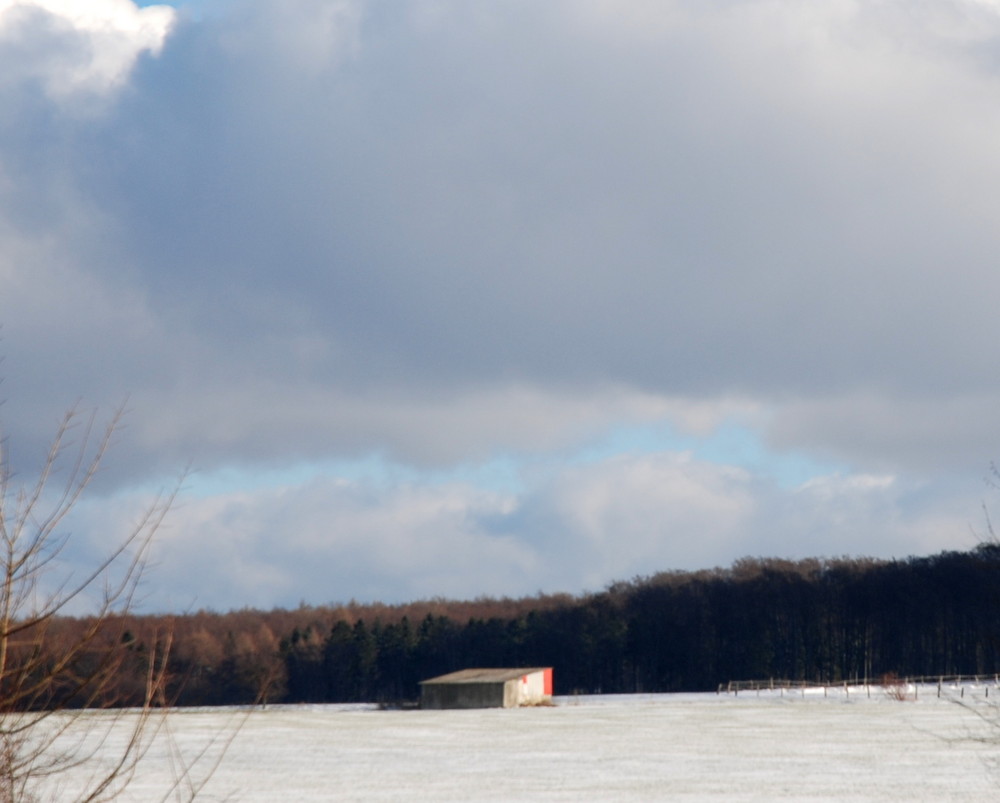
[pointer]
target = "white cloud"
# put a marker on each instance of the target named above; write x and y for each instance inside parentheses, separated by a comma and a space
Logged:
(332, 540)
(71, 46)
(574, 528)
(637, 514)
(834, 486)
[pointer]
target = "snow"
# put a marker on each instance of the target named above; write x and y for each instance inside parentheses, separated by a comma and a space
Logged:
(756, 746)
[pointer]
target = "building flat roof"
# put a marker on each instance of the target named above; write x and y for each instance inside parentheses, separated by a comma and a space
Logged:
(485, 675)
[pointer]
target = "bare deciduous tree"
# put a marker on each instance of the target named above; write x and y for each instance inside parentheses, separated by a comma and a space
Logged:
(52, 676)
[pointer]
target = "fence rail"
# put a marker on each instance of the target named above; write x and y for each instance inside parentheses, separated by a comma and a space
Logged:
(897, 687)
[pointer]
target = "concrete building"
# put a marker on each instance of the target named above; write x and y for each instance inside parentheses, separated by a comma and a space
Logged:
(488, 688)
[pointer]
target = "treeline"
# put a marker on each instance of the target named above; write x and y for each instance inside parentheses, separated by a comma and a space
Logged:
(814, 620)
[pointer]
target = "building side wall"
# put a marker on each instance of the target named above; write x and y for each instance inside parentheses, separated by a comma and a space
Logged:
(512, 693)
(533, 688)
(462, 695)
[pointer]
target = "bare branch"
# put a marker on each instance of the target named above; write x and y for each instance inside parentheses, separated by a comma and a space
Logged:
(54, 672)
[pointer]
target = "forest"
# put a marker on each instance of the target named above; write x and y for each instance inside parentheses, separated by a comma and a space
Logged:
(824, 620)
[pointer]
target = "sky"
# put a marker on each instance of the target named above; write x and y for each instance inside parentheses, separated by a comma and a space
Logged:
(451, 299)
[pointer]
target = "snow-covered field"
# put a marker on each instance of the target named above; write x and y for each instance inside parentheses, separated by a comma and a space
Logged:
(616, 748)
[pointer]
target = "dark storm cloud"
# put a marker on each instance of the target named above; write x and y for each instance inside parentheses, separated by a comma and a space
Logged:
(445, 204)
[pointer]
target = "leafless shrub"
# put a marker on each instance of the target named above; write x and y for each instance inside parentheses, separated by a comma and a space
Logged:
(895, 689)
